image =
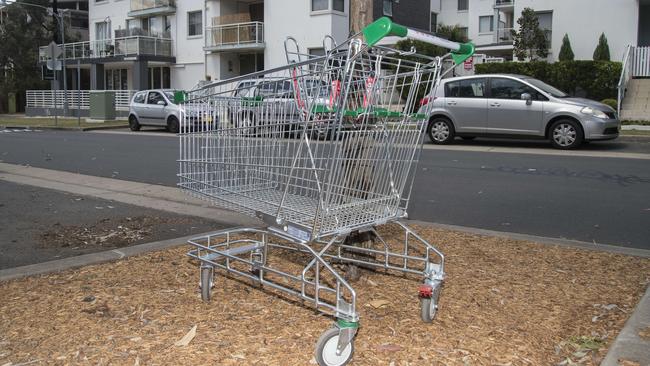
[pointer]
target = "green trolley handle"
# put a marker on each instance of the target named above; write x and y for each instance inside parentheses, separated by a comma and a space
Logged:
(384, 27)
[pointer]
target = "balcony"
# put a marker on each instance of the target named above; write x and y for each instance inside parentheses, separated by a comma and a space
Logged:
(235, 37)
(142, 8)
(118, 47)
(504, 4)
(504, 35)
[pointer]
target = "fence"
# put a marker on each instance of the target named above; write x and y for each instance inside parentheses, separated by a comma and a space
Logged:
(233, 35)
(46, 98)
(640, 61)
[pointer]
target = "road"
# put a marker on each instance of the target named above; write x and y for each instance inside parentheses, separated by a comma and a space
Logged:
(592, 199)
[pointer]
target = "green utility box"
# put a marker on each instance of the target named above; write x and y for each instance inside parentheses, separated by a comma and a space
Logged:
(11, 103)
(102, 105)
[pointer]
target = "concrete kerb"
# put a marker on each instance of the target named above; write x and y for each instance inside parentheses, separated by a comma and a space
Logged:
(629, 345)
(59, 128)
(64, 264)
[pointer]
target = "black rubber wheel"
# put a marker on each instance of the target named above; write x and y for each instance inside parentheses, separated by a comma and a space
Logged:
(468, 138)
(326, 349)
(134, 125)
(441, 131)
(206, 283)
(172, 124)
(565, 134)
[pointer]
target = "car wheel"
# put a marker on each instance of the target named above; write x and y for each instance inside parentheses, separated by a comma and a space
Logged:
(172, 124)
(441, 131)
(566, 134)
(468, 138)
(134, 125)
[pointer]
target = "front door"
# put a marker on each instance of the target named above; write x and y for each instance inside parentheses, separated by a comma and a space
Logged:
(466, 103)
(509, 114)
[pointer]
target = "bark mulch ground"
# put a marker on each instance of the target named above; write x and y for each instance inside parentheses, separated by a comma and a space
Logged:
(505, 302)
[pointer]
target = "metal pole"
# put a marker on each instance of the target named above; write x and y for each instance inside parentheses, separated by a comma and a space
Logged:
(56, 83)
(78, 92)
(65, 78)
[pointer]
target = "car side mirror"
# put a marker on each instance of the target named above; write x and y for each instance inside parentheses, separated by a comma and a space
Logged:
(528, 98)
(161, 102)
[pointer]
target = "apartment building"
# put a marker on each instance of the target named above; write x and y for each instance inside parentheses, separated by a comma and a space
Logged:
(488, 23)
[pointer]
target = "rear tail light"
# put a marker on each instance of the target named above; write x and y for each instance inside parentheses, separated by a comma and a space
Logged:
(426, 100)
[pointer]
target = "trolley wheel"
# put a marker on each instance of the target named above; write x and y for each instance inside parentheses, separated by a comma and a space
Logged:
(206, 283)
(326, 349)
(134, 125)
(429, 305)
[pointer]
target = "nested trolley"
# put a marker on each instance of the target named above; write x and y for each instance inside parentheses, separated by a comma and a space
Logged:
(319, 150)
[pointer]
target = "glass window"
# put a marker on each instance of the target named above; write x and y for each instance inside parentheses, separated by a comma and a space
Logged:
(463, 5)
(157, 78)
(472, 88)
(511, 89)
(338, 5)
(486, 24)
(547, 88)
(195, 23)
(139, 97)
(154, 98)
(434, 22)
(388, 8)
(166, 81)
(124, 80)
(317, 5)
(451, 89)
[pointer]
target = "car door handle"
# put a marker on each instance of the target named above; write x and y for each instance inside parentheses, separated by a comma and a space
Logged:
(495, 104)
(451, 102)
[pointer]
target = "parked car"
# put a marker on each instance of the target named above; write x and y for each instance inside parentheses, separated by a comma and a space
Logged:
(516, 106)
(157, 108)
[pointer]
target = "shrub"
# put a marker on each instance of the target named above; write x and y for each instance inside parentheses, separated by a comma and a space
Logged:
(566, 53)
(601, 53)
(596, 80)
(610, 102)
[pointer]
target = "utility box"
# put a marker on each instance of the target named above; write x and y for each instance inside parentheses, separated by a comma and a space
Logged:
(102, 105)
(11, 103)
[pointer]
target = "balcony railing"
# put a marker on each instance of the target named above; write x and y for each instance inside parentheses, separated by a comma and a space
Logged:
(504, 35)
(503, 3)
(152, 7)
(123, 46)
(235, 36)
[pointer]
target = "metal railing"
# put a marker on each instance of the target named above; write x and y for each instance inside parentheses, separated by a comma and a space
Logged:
(504, 35)
(76, 99)
(151, 4)
(123, 46)
(498, 3)
(640, 61)
(232, 35)
(626, 74)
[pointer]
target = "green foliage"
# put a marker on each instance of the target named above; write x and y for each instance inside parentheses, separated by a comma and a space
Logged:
(601, 53)
(566, 53)
(19, 42)
(596, 79)
(610, 102)
(530, 41)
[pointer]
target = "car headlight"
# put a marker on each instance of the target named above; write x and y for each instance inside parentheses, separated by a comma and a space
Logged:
(594, 112)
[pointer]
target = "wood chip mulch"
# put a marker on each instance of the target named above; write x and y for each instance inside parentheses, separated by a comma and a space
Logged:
(505, 302)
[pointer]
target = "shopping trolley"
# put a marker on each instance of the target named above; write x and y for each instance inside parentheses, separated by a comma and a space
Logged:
(320, 150)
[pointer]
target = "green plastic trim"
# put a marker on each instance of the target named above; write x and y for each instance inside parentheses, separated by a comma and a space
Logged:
(322, 108)
(343, 324)
(466, 51)
(381, 28)
(179, 96)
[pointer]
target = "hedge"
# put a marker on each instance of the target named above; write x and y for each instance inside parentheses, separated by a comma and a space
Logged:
(591, 79)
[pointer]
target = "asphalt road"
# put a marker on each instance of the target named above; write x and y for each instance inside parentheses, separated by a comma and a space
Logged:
(591, 199)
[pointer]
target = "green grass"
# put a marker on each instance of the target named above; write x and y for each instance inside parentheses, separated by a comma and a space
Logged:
(19, 121)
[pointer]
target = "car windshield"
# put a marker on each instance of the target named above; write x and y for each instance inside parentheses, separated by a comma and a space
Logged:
(170, 95)
(547, 88)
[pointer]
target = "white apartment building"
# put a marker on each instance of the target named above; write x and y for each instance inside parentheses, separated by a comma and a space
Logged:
(488, 23)
(140, 44)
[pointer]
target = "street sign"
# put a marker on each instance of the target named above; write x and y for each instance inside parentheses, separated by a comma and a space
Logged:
(53, 65)
(46, 73)
(469, 63)
(53, 50)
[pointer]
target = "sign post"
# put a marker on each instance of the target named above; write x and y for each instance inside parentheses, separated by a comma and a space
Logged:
(53, 52)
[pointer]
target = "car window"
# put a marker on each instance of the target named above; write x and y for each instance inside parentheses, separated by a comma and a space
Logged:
(244, 89)
(501, 88)
(451, 89)
(267, 89)
(170, 96)
(154, 98)
(139, 97)
(472, 88)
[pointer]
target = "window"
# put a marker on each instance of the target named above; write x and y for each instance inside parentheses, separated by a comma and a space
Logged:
(195, 23)
(463, 5)
(139, 97)
(468, 88)
(511, 89)
(158, 78)
(102, 31)
(317, 5)
(388, 8)
(486, 24)
(433, 25)
(338, 5)
(116, 79)
(154, 98)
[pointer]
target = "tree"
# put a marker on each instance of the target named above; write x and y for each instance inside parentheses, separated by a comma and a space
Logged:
(530, 41)
(601, 53)
(25, 29)
(566, 53)
(450, 32)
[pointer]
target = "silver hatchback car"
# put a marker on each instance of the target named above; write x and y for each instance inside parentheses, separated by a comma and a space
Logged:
(516, 106)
